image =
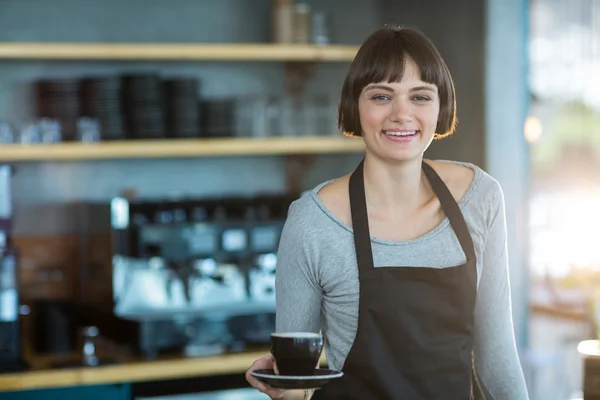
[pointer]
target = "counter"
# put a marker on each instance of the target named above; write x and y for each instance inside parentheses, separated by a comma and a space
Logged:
(117, 382)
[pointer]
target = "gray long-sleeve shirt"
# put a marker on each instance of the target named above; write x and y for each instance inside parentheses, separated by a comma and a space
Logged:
(317, 279)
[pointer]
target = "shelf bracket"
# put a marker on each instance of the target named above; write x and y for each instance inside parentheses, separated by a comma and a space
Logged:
(296, 74)
(296, 168)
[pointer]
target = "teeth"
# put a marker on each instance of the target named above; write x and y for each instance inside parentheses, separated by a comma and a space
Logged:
(409, 133)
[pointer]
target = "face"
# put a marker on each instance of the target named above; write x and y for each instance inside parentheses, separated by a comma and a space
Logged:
(398, 120)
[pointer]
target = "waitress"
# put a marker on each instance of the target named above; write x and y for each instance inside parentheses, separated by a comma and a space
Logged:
(403, 261)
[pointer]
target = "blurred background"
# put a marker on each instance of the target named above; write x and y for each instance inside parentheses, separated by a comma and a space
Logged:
(150, 150)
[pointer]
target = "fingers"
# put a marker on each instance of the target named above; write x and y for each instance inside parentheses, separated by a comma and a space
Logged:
(264, 388)
(268, 361)
(264, 362)
(272, 392)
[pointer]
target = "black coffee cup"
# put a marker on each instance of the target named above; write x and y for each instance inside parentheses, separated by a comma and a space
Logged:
(296, 353)
(590, 352)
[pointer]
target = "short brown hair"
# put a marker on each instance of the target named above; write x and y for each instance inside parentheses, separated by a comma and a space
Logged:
(382, 56)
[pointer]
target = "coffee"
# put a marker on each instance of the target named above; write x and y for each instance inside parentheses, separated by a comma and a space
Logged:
(296, 353)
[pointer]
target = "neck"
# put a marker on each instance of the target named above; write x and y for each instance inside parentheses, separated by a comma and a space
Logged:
(389, 185)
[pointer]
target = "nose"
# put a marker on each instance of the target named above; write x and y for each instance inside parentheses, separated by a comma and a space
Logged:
(401, 110)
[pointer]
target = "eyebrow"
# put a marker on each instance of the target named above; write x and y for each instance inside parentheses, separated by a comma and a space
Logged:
(381, 87)
(417, 88)
(389, 89)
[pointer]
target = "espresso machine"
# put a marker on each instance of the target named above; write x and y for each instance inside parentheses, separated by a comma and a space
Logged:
(10, 327)
(191, 274)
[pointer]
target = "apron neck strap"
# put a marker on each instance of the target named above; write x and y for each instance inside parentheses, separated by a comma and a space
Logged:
(360, 219)
(452, 211)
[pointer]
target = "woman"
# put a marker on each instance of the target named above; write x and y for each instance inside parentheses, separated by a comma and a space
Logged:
(403, 262)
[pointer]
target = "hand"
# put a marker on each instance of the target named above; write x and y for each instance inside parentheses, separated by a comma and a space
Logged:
(266, 362)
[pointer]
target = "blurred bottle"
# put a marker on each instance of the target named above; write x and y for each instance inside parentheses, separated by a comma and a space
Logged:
(49, 130)
(30, 134)
(283, 21)
(7, 134)
(88, 130)
(302, 23)
(321, 32)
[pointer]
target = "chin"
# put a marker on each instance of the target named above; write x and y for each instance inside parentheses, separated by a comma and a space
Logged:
(396, 154)
(397, 157)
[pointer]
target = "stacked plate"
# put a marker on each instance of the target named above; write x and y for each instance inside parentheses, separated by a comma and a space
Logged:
(101, 100)
(217, 117)
(58, 100)
(182, 116)
(143, 104)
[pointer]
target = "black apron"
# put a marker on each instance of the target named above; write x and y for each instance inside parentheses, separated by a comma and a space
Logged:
(414, 338)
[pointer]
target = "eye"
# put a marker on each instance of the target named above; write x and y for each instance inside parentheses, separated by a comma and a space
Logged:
(421, 98)
(380, 97)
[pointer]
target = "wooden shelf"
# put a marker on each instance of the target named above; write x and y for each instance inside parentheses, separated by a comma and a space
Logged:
(175, 52)
(134, 371)
(130, 372)
(180, 148)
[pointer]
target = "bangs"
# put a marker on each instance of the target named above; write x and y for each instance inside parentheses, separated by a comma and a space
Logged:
(385, 60)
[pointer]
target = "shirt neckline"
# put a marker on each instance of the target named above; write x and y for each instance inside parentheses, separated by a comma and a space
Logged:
(428, 235)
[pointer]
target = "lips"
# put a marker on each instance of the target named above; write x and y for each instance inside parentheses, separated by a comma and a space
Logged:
(401, 135)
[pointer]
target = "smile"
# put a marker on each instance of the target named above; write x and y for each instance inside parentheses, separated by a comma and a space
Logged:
(401, 136)
(400, 133)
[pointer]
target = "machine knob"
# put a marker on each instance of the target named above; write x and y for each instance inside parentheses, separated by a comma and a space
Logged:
(88, 349)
